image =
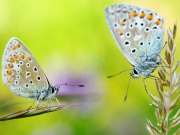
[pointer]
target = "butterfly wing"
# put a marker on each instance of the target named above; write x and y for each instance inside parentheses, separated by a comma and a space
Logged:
(138, 32)
(20, 70)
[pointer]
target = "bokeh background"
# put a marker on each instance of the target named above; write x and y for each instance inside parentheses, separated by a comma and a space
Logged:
(72, 43)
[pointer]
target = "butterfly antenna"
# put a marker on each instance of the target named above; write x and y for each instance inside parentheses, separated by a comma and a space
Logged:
(66, 84)
(118, 73)
(127, 89)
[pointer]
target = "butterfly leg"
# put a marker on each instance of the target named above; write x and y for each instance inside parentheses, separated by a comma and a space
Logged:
(127, 88)
(58, 101)
(38, 104)
(48, 104)
(31, 105)
(145, 86)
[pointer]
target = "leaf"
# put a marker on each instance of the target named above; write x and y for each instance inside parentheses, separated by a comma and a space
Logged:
(177, 132)
(175, 122)
(176, 115)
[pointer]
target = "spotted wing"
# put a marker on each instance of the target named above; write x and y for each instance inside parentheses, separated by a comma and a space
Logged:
(20, 70)
(138, 32)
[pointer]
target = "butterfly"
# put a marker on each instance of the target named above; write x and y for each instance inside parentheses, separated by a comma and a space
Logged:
(139, 33)
(22, 73)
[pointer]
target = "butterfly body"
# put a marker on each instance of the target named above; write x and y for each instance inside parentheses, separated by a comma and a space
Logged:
(22, 73)
(139, 34)
(145, 68)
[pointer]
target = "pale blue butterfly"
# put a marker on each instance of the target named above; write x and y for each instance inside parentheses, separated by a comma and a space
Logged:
(139, 34)
(22, 73)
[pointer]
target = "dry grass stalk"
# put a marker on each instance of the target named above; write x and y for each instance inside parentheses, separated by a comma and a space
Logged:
(33, 112)
(168, 85)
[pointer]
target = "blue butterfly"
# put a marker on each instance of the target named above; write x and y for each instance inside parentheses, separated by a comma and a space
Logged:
(139, 34)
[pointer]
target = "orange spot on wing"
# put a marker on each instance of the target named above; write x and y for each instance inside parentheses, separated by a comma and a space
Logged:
(18, 45)
(122, 22)
(10, 65)
(22, 56)
(13, 47)
(150, 16)
(135, 13)
(15, 56)
(9, 81)
(9, 72)
(129, 15)
(158, 21)
(29, 58)
(120, 32)
(11, 60)
(142, 14)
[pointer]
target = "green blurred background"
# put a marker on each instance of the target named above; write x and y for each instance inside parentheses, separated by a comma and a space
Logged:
(72, 43)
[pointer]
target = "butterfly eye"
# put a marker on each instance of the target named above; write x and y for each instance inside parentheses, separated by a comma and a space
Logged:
(53, 90)
(135, 72)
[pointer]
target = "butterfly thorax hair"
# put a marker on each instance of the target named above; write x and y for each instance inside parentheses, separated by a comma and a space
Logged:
(146, 67)
(46, 94)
